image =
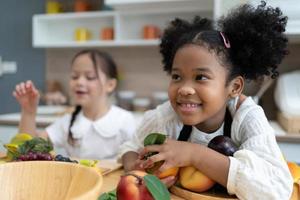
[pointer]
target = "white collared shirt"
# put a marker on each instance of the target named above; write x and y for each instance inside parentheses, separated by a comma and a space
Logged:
(257, 170)
(98, 139)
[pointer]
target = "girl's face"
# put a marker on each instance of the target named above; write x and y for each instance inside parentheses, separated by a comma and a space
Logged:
(198, 91)
(88, 86)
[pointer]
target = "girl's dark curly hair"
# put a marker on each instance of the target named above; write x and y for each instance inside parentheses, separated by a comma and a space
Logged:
(179, 33)
(100, 60)
(258, 44)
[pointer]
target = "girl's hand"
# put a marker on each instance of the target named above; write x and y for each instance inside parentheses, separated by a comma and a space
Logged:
(27, 96)
(174, 153)
(138, 165)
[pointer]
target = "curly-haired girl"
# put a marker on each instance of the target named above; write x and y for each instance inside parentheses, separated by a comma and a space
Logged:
(208, 68)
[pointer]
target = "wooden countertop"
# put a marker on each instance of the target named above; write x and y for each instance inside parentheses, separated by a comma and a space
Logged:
(111, 180)
(12, 119)
(44, 119)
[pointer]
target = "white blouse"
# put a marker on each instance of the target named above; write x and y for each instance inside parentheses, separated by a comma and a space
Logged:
(257, 170)
(98, 139)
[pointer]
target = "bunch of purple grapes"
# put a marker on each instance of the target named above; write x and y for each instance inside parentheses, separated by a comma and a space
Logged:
(35, 156)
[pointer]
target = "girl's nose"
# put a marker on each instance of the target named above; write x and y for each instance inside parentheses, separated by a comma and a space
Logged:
(80, 80)
(186, 90)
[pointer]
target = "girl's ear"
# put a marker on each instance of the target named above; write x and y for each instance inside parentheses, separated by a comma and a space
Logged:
(111, 85)
(236, 86)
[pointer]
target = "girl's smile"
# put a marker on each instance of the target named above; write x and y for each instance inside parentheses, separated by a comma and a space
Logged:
(188, 107)
(80, 93)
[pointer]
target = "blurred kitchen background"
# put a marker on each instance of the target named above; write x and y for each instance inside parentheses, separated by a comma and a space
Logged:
(38, 39)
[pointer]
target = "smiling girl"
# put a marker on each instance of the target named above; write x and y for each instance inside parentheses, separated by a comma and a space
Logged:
(96, 129)
(208, 69)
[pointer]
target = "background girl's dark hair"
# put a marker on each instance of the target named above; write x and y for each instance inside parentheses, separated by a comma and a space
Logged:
(100, 60)
(258, 44)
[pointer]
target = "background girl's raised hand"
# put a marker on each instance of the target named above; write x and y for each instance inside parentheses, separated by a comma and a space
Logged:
(27, 96)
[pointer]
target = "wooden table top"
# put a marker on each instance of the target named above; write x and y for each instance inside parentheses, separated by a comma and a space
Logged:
(111, 180)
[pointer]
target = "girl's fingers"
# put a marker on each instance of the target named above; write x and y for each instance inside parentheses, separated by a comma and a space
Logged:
(26, 87)
(18, 90)
(164, 167)
(154, 158)
(23, 88)
(30, 85)
(35, 91)
(150, 148)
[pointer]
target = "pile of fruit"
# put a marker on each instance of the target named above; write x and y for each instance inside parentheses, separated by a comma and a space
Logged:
(138, 185)
(24, 147)
(189, 177)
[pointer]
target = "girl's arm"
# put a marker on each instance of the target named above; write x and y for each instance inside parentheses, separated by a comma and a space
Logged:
(28, 97)
(179, 154)
(209, 162)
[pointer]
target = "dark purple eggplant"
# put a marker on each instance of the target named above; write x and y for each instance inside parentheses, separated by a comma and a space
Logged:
(223, 145)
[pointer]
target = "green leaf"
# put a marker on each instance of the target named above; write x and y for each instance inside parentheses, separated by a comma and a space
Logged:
(112, 195)
(158, 190)
(154, 138)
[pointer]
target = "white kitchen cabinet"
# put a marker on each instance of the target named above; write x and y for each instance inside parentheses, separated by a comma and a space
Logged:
(54, 31)
(128, 20)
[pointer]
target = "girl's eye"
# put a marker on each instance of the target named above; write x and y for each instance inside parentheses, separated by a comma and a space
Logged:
(201, 77)
(90, 78)
(175, 77)
(74, 77)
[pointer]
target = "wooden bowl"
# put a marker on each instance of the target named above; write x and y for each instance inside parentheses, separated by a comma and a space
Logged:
(35, 180)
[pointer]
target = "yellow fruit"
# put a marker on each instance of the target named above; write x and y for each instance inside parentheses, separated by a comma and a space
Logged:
(168, 172)
(192, 179)
(295, 171)
(15, 142)
(88, 163)
(11, 147)
(21, 138)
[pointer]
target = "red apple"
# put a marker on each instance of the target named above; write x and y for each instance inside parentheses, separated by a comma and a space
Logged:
(133, 187)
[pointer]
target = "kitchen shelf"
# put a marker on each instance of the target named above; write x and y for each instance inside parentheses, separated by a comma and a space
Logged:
(57, 30)
(97, 43)
(161, 5)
